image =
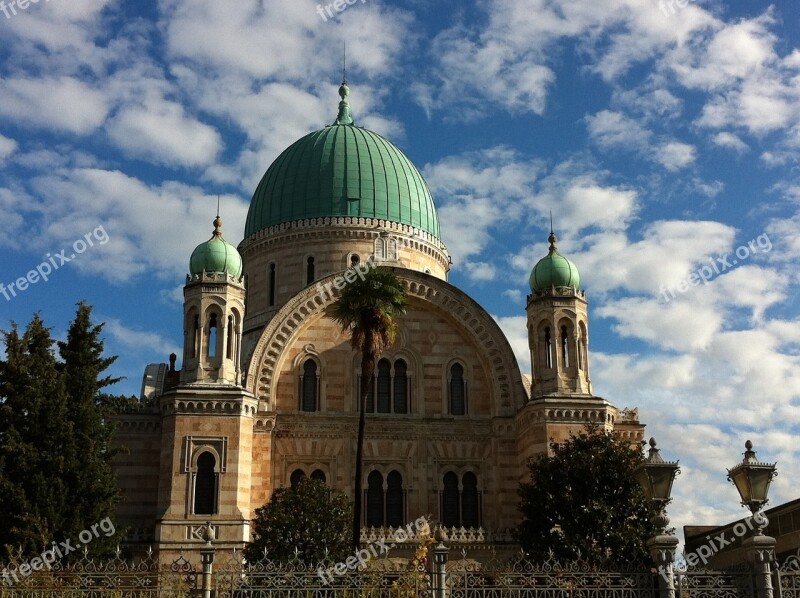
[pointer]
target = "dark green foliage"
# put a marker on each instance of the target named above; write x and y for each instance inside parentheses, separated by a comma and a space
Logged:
(584, 501)
(55, 474)
(310, 518)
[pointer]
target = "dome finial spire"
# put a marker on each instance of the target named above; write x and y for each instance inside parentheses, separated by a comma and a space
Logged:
(552, 238)
(344, 117)
(218, 222)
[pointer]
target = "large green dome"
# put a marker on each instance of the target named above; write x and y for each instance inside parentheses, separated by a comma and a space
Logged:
(216, 256)
(554, 270)
(342, 170)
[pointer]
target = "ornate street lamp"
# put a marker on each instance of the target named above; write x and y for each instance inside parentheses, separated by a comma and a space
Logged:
(752, 480)
(655, 476)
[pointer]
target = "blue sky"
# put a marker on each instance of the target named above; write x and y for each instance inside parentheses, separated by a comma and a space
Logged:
(661, 137)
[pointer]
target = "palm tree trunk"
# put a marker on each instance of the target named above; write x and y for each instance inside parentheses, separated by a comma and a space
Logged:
(367, 369)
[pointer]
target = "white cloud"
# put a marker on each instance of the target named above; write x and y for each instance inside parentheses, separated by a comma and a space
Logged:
(730, 141)
(42, 103)
(675, 155)
(163, 133)
(139, 339)
(7, 147)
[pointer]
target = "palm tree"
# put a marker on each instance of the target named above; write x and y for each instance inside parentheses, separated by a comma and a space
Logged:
(368, 308)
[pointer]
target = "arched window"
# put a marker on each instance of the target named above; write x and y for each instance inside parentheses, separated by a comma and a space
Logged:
(564, 346)
(354, 260)
(229, 344)
(384, 384)
(318, 474)
(310, 270)
(195, 334)
(212, 336)
(400, 386)
(458, 402)
(296, 477)
(308, 393)
(548, 348)
(205, 485)
(380, 249)
(375, 499)
(394, 499)
(461, 507)
(470, 501)
(451, 517)
(271, 288)
(391, 249)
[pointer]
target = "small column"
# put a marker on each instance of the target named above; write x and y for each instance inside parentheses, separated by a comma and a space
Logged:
(662, 550)
(440, 555)
(760, 552)
(207, 559)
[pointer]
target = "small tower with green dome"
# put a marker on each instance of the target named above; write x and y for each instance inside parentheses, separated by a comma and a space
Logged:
(213, 308)
(558, 327)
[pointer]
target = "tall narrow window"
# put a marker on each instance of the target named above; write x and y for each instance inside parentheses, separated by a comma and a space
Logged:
(212, 336)
(394, 499)
(271, 289)
(457, 390)
(308, 401)
(548, 348)
(318, 474)
(384, 384)
(195, 333)
(380, 249)
(400, 386)
(564, 347)
(296, 477)
(205, 485)
(229, 344)
(310, 270)
(391, 249)
(451, 517)
(470, 501)
(375, 499)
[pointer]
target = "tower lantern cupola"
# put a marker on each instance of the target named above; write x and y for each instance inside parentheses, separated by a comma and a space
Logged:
(558, 327)
(213, 310)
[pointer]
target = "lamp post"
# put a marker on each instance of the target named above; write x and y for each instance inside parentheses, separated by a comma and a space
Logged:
(752, 480)
(655, 476)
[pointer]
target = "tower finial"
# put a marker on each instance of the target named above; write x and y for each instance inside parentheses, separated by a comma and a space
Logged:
(551, 221)
(552, 238)
(344, 117)
(218, 222)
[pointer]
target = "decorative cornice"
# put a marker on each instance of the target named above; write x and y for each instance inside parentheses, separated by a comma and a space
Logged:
(331, 227)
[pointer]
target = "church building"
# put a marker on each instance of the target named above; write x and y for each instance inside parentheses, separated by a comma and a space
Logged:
(268, 384)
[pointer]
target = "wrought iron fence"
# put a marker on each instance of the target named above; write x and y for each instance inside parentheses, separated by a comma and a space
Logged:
(521, 578)
(88, 578)
(737, 582)
(384, 578)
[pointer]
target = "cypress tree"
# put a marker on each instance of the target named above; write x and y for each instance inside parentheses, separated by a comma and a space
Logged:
(36, 444)
(93, 484)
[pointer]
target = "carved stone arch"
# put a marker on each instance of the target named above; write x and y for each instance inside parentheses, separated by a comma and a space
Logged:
(499, 360)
